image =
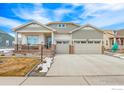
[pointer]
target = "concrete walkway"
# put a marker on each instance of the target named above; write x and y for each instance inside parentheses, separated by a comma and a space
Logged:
(77, 70)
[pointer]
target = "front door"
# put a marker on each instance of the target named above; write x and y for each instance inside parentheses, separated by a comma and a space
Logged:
(48, 42)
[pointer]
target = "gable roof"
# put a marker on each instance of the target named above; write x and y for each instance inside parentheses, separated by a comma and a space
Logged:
(120, 33)
(2, 32)
(4, 35)
(109, 32)
(62, 23)
(87, 25)
(32, 22)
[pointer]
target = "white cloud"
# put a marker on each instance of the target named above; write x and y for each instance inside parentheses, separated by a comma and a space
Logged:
(41, 14)
(95, 9)
(61, 12)
(36, 13)
(9, 22)
(102, 14)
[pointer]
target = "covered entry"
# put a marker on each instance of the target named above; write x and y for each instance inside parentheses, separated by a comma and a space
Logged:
(87, 46)
(62, 47)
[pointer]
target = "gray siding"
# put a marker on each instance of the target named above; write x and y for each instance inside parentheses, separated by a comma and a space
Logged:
(68, 27)
(33, 27)
(87, 34)
(3, 38)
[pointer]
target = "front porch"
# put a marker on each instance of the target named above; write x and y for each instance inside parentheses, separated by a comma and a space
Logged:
(119, 40)
(35, 43)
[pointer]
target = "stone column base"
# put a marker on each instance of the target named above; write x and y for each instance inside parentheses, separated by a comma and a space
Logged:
(71, 49)
(16, 47)
(40, 45)
(53, 47)
(103, 49)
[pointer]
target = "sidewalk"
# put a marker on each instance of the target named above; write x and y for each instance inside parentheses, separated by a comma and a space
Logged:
(64, 80)
(42, 81)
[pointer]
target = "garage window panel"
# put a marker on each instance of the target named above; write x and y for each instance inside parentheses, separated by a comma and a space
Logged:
(90, 42)
(78, 42)
(83, 42)
(59, 42)
(97, 42)
(65, 42)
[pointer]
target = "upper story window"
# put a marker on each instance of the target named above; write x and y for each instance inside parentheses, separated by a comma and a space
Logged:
(61, 25)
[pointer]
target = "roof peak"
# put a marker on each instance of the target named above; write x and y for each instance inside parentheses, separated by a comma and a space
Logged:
(56, 22)
(1, 31)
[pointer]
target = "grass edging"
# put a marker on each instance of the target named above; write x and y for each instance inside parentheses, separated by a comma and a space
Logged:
(32, 69)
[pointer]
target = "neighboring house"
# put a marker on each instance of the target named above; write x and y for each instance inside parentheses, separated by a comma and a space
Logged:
(108, 39)
(6, 40)
(119, 37)
(62, 37)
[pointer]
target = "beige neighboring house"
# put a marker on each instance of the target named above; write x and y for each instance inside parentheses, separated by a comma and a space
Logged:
(61, 38)
(119, 37)
(108, 39)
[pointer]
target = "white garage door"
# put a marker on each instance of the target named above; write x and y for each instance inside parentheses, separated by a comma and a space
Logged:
(62, 47)
(87, 47)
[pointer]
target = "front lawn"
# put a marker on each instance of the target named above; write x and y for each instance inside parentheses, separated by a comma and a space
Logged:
(13, 66)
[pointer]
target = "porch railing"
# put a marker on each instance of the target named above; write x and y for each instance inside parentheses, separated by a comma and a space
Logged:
(33, 49)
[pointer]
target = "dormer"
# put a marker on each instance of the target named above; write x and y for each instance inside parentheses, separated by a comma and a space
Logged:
(61, 25)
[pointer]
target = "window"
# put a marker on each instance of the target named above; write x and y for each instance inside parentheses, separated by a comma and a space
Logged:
(106, 42)
(112, 42)
(32, 40)
(121, 41)
(78, 42)
(97, 42)
(83, 42)
(61, 25)
(90, 42)
(1, 40)
(65, 42)
(59, 42)
(7, 42)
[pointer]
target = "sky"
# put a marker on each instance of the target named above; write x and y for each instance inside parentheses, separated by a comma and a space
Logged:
(102, 15)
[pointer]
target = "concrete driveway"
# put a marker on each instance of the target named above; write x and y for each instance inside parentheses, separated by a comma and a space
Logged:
(87, 70)
(78, 65)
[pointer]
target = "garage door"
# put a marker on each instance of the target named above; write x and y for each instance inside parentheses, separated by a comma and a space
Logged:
(87, 47)
(62, 47)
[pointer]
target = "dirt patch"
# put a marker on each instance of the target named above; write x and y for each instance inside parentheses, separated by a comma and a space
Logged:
(13, 66)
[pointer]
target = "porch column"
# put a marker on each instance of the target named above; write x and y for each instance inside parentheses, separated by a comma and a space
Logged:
(53, 47)
(16, 41)
(52, 37)
(123, 41)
